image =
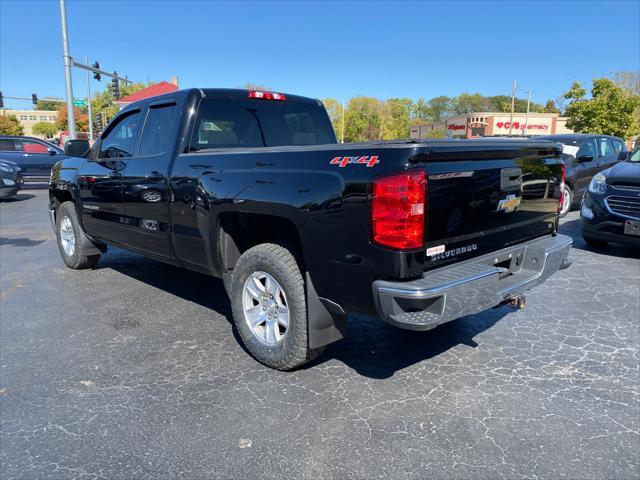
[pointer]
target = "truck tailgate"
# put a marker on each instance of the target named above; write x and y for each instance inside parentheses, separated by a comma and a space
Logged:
(488, 196)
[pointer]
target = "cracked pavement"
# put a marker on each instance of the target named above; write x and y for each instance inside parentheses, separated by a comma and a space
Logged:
(133, 370)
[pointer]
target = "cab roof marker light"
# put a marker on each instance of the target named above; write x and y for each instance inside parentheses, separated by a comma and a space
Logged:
(267, 95)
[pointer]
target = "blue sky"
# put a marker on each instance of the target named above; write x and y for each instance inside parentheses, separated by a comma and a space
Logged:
(324, 49)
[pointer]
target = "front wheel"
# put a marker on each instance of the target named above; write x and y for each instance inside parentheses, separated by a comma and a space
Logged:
(68, 234)
(269, 307)
(567, 200)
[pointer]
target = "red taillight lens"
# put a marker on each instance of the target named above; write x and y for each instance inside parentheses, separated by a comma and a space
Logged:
(562, 177)
(398, 210)
(267, 95)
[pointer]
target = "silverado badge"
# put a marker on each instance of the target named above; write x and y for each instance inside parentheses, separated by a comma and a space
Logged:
(508, 204)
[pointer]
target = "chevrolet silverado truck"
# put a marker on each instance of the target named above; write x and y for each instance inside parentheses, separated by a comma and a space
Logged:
(252, 187)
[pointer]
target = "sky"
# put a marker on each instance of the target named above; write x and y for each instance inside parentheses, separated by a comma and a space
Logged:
(323, 49)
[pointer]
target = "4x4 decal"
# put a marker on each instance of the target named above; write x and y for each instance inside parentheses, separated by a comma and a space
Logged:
(369, 161)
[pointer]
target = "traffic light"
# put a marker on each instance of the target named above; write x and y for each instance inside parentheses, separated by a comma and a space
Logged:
(34, 98)
(1, 100)
(96, 75)
(99, 125)
(115, 86)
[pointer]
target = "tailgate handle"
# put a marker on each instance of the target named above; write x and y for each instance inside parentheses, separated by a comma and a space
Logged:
(511, 179)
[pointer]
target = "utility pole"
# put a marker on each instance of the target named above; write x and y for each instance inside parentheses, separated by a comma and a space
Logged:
(86, 60)
(526, 118)
(343, 113)
(71, 120)
(513, 105)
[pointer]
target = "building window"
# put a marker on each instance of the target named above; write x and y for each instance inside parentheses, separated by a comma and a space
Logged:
(52, 118)
(32, 117)
(43, 118)
(23, 117)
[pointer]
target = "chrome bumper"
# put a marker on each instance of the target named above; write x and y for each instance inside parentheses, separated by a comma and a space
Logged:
(471, 286)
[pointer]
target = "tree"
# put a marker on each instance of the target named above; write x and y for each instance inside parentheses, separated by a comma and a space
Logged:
(334, 110)
(440, 107)
(420, 112)
(9, 125)
(610, 111)
(471, 102)
(62, 123)
(629, 81)
(363, 119)
(396, 118)
(550, 107)
(104, 101)
(47, 129)
(47, 105)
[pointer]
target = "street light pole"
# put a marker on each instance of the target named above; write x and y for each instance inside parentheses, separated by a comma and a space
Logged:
(526, 118)
(86, 60)
(513, 105)
(342, 130)
(67, 72)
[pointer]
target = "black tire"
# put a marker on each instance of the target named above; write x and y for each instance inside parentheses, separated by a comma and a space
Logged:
(569, 192)
(592, 242)
(293, 350)
(74, 260)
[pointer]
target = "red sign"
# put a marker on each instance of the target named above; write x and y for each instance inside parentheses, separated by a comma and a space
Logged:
(453, 126)
(518, 126)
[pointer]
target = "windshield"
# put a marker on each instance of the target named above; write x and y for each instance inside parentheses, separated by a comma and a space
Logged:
(635, 156)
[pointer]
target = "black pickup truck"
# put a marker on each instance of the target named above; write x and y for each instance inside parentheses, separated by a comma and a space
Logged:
(252, 187)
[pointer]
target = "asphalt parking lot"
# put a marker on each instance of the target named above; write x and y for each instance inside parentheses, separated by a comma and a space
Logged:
(133, 370)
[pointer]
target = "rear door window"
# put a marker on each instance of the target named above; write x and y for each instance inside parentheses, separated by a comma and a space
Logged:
(587, 149)
(259, 123)
(605, 148)
(618, 145)
(30, 146)
(155, 137)
(9, 145)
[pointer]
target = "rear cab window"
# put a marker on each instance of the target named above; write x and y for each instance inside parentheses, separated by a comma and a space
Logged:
(223, 123)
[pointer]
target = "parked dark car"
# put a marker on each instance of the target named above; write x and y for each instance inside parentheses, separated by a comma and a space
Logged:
(610, 210)
(584, 156)
(253, 188)
(10, 179)
(34, 156)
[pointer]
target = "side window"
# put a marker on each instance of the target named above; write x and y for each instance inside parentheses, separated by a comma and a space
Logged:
(155, 137)
(33, 147)
(121, 139)
(8, 145)
(587, 149)
(604, 147)
(618, 146)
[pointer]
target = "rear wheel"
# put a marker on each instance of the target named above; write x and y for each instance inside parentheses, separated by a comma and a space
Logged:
(269, 307)
(567, 201)
(68, 235)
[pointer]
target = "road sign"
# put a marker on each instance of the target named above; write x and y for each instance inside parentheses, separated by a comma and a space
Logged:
(79, 102)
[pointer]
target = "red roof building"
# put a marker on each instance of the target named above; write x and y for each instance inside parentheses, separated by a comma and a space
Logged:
(156, 89)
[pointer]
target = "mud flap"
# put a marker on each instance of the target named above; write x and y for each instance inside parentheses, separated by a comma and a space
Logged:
(325, 327)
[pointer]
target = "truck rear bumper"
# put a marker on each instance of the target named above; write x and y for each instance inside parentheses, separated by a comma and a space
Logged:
(471, 286)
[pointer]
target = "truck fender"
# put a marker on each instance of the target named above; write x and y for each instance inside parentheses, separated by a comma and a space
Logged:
(327, 320)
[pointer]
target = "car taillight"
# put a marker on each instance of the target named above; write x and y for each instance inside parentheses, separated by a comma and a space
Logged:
(267, 95)
(562, 177)
(398, 209)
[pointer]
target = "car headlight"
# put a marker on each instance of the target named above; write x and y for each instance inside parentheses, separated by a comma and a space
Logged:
(6, 169)
(598, 184)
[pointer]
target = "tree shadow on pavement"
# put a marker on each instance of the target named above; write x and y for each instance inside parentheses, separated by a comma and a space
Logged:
(20, 197)
(20, 242)
(371, 347)
(572, 229)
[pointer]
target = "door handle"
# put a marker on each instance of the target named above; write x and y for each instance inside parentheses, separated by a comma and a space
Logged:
(155, 176)
(26, 155)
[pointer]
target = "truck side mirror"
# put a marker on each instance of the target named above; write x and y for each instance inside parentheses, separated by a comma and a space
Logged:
(623, 156)
(585, 158)
(76, 148)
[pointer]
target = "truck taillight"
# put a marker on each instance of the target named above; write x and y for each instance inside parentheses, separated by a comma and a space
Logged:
(267, 95)
(398, 210)
(563, 174)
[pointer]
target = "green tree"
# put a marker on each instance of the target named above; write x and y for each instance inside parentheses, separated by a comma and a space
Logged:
(420, 112)
(611, 110)
(440, 107)
(363, 119)
(471, 102)
(47, 129)
(334, 110)
(550, 107)
(396, 118)
(9, 125)
(47, 105)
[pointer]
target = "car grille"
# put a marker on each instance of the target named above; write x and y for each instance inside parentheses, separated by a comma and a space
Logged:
(625, 206)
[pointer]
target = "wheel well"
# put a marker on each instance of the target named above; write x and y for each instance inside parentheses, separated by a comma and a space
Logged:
(58, 197)
(238, 232)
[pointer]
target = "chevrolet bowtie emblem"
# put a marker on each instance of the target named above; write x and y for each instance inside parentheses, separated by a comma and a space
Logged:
(508, 204)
